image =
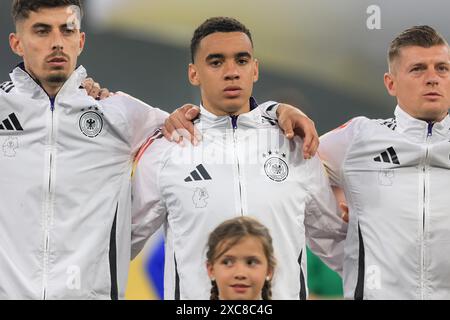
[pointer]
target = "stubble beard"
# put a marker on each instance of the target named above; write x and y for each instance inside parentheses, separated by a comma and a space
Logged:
(57, 78)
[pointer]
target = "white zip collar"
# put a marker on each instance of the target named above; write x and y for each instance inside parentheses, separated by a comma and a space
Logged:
(26, 84)
(417, 130)
(252, 119)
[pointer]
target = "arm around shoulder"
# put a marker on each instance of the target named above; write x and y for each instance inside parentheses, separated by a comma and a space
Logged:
(142, 120)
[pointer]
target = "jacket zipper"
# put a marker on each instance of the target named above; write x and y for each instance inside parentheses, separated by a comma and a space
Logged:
(48, 198)
(48, 205)
(236, 153)
(424, 214)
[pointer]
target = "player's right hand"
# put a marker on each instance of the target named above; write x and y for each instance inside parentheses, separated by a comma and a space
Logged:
(179, 126)
(294, 122)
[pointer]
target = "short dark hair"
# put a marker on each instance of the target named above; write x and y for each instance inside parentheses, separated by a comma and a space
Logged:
(422, 36)
(213, 25)
(21, 8)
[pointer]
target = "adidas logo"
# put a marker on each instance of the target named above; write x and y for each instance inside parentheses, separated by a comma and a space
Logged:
(388, 156)
(270, 108)
(7, 86)
(11, 123)
(198, 175)
(270, 121)
(390, 123)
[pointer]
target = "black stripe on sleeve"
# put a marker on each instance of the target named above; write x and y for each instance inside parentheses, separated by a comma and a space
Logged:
(359, 290)
(302, 279)
(113, 259)
(177, 281)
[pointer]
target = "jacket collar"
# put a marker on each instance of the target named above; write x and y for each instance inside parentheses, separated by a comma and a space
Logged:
(26, 84)
(419, 130)
(246, 120)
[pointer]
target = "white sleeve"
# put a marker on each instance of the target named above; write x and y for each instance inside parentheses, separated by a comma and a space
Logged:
(334, 146)
(148, 207)
(269, 109)
(141, 120)
(324, 228)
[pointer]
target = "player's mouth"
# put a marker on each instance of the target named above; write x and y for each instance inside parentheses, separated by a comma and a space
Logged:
(232, 91)
(432, 95)
(57, 61)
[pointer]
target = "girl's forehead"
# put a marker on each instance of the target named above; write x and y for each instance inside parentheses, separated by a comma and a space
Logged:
(239, 245)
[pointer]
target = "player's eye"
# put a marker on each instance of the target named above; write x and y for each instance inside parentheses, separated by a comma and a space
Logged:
(42, 31)
(68, 31)
(215, 63)
(442, 68)
(417, 69)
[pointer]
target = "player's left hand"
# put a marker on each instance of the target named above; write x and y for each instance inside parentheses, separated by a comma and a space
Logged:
(295, 123)
(94, 89)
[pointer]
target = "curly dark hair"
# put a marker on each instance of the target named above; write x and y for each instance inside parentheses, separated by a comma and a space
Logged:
(213, 25)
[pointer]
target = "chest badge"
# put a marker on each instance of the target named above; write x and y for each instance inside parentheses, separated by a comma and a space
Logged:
(91, 122)
(10, 146)
(386, 178)
(275, 166)
(199, 198)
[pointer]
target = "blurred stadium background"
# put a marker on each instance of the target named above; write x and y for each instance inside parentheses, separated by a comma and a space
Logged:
(315, 54)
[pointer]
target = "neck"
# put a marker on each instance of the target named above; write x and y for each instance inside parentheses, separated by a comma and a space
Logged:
(431, 118)
(226, 111)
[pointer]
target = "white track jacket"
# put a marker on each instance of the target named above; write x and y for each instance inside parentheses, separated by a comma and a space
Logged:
(244, 166)
(396, 178)
(65, 168)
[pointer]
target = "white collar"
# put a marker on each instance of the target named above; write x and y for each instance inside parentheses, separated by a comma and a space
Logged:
(26, 84)
(419, 130)
(250, 119)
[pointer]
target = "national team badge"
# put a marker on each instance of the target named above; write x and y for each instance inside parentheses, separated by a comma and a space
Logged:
(199, 198)
(386, 178)
(10, 146)
(275, 167)
(91, 122)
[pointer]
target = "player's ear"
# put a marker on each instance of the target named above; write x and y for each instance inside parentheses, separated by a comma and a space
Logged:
(256, 71)
(194, 78)
(16, 44)
(82, 42)
(389, 82)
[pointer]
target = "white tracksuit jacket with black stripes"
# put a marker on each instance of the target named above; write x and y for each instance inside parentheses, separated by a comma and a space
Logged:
(65, 168)
(396, 178)
(244, 166)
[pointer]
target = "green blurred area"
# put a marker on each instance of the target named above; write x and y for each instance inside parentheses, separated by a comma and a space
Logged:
(323, 282)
